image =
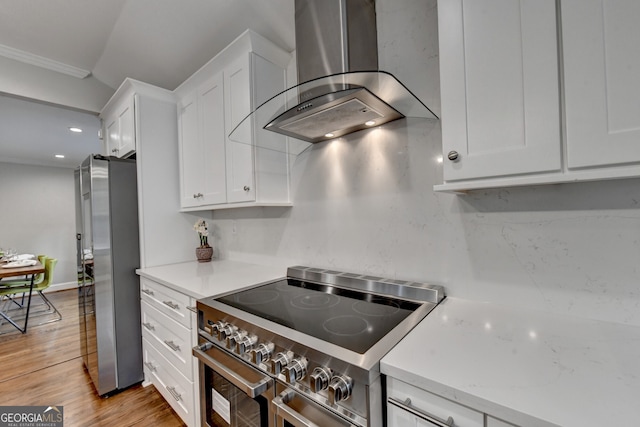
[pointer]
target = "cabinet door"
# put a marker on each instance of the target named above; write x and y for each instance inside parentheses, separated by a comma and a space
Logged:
(191, 159)
(126, 117)
(499, 87)
(423, 406)
(211, 119)
(112, 135)
(239, 152)
(602, 81)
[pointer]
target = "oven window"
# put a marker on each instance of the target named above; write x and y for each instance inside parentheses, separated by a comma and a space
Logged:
(228, 406)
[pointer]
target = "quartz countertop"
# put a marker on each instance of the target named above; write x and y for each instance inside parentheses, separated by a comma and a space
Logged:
(531, 368)
(217, 277)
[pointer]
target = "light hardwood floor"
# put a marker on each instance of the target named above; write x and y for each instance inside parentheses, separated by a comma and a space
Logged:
(44, 367)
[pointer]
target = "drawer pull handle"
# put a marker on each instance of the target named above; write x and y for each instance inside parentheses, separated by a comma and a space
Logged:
(148, 291)
(170, 304)
(194, 309)
(407, 406)
(177, 396)
(149, 326)
(173, 346)
(150, 366)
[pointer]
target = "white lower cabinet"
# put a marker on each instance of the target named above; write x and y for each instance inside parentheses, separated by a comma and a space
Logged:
(409, 406)
(169, 333)
(494, 422)
(173, 386)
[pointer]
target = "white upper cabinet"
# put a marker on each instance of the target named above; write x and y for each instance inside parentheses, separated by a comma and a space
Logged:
(237, 86)
(119, 128)
(601, 42)
(499, 88)
(202, 147)
(218, 171)
(506, 119)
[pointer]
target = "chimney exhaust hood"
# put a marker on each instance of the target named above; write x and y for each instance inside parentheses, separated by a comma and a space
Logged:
(343, 91)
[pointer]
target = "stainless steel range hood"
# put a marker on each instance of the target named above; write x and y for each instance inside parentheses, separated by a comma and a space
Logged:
(342, 90)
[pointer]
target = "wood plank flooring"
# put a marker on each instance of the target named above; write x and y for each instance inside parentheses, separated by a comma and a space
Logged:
(44, 367)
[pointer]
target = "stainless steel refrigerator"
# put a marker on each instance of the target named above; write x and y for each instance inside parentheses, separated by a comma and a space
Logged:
(108, 287)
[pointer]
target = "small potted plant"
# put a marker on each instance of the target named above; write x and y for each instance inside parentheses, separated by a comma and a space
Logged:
(204, 252)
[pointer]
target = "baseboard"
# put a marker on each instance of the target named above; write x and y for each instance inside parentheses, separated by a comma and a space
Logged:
(61, 287)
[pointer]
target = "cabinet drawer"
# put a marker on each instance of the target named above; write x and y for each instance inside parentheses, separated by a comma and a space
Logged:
(424, 404)
(173, 386)
(494, 422)
(167, 301)
(169, 337)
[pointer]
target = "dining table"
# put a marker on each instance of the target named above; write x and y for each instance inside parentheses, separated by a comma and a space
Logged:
(29, 271)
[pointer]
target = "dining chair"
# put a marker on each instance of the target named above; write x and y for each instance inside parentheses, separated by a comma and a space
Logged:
(11, 291)
(27, 281)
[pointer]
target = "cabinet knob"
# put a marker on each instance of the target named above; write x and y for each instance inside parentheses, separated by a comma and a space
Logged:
(247, 188)
(197, 195)
(115, 150)
(453, 156)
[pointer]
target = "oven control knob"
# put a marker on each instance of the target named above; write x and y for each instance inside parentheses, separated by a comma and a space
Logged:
(281, 360)
(216, 326)
(234, 338)
(246, 343)
(319, 378)
(225, 331)
(340, 388)
(296, 370)
(262, 353)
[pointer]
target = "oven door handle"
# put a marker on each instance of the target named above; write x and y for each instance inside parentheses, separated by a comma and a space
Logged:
(287, 413)
(250, 389)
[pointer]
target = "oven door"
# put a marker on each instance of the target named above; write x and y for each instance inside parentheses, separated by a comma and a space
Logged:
(293, 410)
(232, 393)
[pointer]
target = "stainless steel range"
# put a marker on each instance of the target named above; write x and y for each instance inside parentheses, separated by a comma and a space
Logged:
(304, 350)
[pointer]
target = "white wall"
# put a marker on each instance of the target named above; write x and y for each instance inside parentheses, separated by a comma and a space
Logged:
(365, 203)
(37, 215)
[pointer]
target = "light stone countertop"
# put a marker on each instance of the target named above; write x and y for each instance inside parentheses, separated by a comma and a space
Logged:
(531, 368)
(217, 277)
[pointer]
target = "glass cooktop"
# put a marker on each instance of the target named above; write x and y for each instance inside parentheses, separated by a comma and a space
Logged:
(348, 318)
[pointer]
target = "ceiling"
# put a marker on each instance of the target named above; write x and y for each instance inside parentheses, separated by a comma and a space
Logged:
(161, 42)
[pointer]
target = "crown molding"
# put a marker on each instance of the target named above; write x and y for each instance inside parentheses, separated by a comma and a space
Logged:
(42, 62)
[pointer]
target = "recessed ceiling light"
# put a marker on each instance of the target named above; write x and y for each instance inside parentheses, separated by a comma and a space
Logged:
(78, 130)
(328, 135)
(60, 156)
(370, 123)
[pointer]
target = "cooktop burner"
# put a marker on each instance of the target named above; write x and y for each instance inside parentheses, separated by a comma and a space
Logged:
(348, 318)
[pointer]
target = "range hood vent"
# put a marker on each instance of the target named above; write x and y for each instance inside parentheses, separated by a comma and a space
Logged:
(343, 91)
